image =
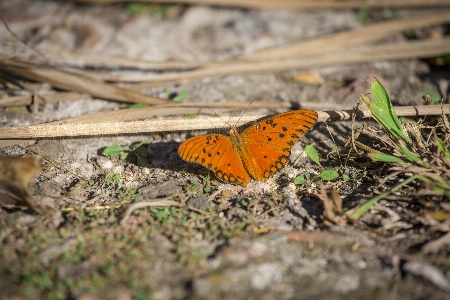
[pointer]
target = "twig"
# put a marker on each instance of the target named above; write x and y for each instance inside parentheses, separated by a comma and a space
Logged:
(266, 212)
(161, 202)
(94, 207)
(142, 204)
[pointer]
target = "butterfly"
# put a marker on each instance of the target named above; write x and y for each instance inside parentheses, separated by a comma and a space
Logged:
(258, 152)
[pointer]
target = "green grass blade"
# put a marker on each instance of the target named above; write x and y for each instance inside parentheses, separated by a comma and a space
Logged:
(385, 158)
(366, 206)
(411, 156)
(441, 147)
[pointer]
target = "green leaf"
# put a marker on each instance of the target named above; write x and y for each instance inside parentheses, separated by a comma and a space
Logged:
(189, 116)
(382, 111)
(363, 16)
(137, 8)
(308, 176)
(114, 150)
(244, 202)
(123, 155)
(181, 96)
(161, 9)
(435, 99)
(385, 158)
(194, 184)
(139, 105)
(440, 61)
(329, 174)
(345, 177)
(141, 161)
(144, 142)
(312, 153)
(299, 179)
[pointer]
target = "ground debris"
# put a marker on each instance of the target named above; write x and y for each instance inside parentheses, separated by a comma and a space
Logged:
(428, 271)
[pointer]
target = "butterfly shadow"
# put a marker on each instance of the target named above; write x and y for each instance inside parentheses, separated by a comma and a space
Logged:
(164, 155)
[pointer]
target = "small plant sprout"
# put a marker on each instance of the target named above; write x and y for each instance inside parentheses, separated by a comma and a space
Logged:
(431, 98)
(124, 153)
(327, 175)
(427, 164)
(383, 112)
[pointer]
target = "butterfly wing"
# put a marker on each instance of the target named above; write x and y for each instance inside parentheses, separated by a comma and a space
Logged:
(215, 152)
(268, 143)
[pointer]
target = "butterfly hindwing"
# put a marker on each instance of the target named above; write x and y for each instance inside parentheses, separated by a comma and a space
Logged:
(215, 152)
(269, 141)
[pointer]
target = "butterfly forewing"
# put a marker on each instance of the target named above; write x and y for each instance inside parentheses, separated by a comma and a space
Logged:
(269, 141)
(215, 152)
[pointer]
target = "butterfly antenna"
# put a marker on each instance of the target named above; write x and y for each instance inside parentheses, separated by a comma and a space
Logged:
(243, 113)
(217, 116)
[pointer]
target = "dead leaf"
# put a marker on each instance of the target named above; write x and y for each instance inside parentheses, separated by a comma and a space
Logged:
(312, 78)
(16, 174)
(440, 215)
(333, 206)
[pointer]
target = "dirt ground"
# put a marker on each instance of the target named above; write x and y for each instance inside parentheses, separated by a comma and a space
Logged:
(264, 241)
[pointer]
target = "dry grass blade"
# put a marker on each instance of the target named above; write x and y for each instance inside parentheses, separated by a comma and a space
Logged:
(44, 97)
(119, 122)
(295, 3)
(73, 82)
(414, 49)
(82, 60)
(349, 39)
(138, 121)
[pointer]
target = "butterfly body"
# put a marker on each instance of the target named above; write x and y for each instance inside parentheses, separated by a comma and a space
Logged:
(257, 152)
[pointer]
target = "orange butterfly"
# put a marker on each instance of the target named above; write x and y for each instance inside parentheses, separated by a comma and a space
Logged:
(258, 152)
